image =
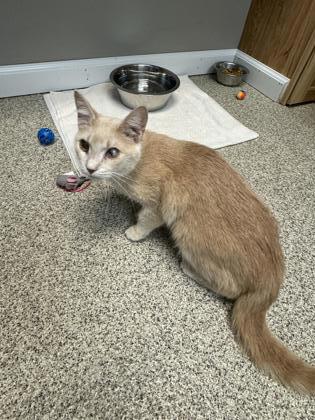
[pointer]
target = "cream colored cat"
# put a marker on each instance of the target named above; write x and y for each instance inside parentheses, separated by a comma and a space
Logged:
(227, 238)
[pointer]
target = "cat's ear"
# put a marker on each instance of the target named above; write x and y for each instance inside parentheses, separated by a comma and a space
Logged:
(133, 125)
(86, 114)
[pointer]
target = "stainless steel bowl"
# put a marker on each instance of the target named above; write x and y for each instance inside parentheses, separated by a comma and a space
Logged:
(144, 85)
(230, 74)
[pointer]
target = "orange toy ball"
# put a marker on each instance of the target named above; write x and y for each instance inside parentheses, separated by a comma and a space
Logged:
(241, 95)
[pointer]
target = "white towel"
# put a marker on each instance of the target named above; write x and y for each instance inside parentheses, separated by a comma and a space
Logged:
(190, 114)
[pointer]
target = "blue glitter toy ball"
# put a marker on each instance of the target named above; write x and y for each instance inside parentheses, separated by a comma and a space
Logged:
(46, 136)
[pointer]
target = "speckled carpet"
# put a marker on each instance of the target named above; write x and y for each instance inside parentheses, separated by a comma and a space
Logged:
(93, 326)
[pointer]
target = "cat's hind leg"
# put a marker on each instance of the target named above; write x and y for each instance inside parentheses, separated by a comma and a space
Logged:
(148, 220)
(192, 273)
(212, 277)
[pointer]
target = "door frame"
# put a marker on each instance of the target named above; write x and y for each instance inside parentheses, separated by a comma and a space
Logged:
(302, 76)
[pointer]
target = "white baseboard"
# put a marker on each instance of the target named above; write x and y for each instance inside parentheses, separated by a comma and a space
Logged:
(25, 79)
(261, 77)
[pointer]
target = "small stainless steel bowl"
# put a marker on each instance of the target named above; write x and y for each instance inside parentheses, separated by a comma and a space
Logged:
(230, 74)
(144, 85)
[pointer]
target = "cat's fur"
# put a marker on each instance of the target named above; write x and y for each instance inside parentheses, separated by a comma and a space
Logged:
(227, 238)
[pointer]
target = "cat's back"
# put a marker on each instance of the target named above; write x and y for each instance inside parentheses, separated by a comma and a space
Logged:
(189, 162)
(198, 179)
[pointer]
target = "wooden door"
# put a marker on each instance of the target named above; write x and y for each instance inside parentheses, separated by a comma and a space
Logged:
(276, 32)
(281, 34)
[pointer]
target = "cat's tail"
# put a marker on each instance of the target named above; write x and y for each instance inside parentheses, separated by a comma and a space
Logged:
(267, 352)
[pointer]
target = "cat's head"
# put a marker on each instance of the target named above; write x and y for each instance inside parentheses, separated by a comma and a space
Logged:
(106, 146)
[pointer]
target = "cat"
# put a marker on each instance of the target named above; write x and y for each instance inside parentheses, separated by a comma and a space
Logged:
(228, 239)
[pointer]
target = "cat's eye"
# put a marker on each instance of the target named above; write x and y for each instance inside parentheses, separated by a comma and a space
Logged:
(84, 145)
(112, 153)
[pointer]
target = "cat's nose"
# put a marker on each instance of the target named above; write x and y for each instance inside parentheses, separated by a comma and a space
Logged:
(90, 170)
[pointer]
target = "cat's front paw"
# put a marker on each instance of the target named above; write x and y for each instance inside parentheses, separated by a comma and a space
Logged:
(134, 233)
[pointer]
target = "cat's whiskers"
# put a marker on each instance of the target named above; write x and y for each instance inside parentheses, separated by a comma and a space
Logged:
(103, 175)
(125, 178)
(127, 182)
(110, 176)
(108, 196)
(127, 194)
(120, 185)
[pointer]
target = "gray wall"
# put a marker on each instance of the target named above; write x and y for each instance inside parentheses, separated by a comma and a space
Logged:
(42, 30)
